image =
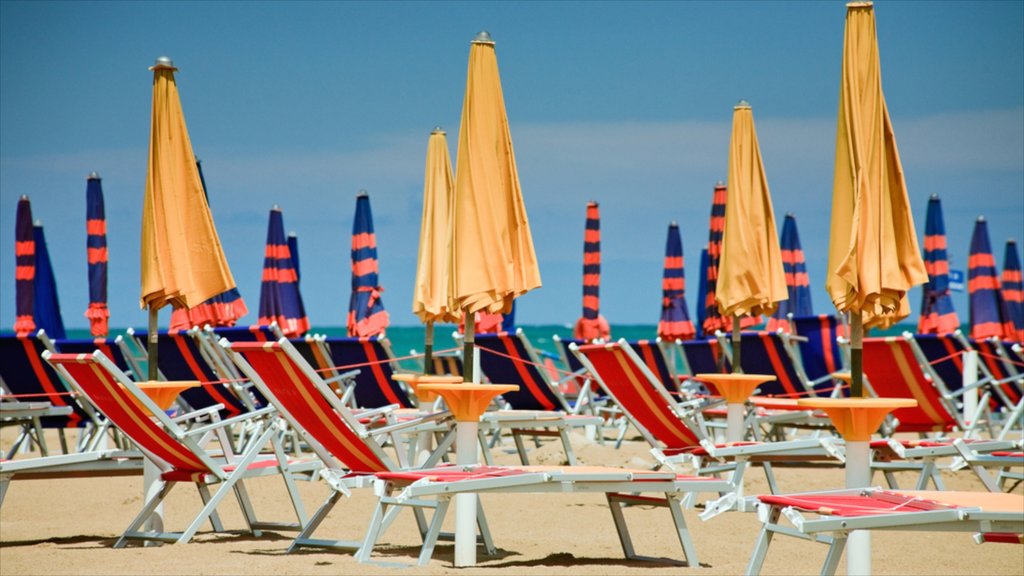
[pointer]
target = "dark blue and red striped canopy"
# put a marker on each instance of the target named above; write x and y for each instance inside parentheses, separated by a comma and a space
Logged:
(46, 306)
(280, 300)
(1013, 294)
(797, 284)
(983, 286)
(293, 249)
(592, 325)
(96, 250)
(702, 292)
(366, 314)
(675, 321)
(713, 320)
(24, 269)
(937, 314)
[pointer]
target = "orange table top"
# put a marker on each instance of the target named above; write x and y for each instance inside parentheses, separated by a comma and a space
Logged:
(165, 393)
(736, 388)
(468, 401)
(414, 380)
(857, 418)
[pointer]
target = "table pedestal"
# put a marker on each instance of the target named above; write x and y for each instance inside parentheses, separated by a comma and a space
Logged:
(735, 388)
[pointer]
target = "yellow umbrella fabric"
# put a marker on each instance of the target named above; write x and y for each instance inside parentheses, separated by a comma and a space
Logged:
(751, 278)
(874, 257)
(182, 260)
(430, 299)
(493, 260)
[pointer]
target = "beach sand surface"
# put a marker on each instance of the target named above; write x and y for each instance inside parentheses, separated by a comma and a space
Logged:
(68, 527)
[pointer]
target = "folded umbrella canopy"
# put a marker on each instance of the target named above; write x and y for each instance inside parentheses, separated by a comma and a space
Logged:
(751, 278)
(712, 320)
(96, 250)
(592, 325)
(705, 297)
(366, 314)
(1013, 294)
(46, 304)
(293, 249)
(280, 300)
(986, 298)
(937, 314)
(675, 319)
(24, 268)
(874, 258)
(798, 285)
(182, 260)
(492, 260)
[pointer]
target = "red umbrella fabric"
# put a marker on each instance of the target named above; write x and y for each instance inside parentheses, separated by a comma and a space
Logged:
(675, 321)
(366, 314)
(937, 313)
(1013, 294)
(96, 249)
(592, 325)
(24, 268)
(280, 300)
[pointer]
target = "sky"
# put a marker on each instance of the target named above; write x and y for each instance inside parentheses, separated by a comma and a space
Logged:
(302, 105)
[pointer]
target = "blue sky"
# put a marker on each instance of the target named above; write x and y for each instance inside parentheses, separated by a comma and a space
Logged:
(304, 104)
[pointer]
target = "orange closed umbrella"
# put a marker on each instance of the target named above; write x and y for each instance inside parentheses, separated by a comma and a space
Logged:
(182, 260)
(751, 277)
(874, 257)
(492, 256)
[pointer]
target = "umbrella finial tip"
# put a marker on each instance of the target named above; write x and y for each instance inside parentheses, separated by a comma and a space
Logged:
(94, 175)
(292, 234)
(438, 130)
(742, 104)
(362, 192)
(981, 218)
(720, 184)
(23, 197)
(37, 223)
(483, 37)
(790, 215)
(276, 208)
(674, 223)
(933, 197)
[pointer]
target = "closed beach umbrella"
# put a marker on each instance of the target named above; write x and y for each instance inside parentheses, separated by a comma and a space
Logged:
(712, 319)
(705, 297)
(366, 314)
(986, 298)
(24, 269)
(280, 300)
(96, 249)
(937, 314)
(182, 260)
(798, 285)
(223, 309)
(751, 279)
(293, 249)
(675, 319)
(874, 258)
(493, 260)
(46, 304)
(1013, 294)
(592, 325)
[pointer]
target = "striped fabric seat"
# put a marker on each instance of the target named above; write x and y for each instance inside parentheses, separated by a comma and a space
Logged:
(894, 372)
(820, 353)
(767, 353)
(29, 379)
(372, 357)
(654, 358)
(509, 359)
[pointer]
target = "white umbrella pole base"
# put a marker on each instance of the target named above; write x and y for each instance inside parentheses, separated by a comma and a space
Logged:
(734, 423)
(465, 504)
(858, 475)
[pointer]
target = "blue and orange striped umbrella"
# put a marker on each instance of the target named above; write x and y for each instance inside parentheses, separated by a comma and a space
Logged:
(24, 268)
(293, 249)
(280, 300)
(366, 314)
(1013, 294)
(937, 314)
(797, 283)
(713, 320)
(96, 248)
(675, 319)
(983, 286)
(224, 309)
(703, 292)
(46, 305)
(592, 325)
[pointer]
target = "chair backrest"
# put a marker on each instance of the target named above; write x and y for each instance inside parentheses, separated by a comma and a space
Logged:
(894, 372)
(945, 355)
(374, 386)
(570, 361)
(994, 358)
(704, 356)
(25, 374)
(252, 333)
(179, 358)
(131, 411)
(447, 364)
(303, 398)
(509, 359)
(623, 375)
(767, 353)
(109, 348)
(653, 356)
(820, 353)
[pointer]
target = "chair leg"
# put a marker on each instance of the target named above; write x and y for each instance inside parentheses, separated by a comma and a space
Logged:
(689, 550)
(143, 516)
(204, 494)
(620, 526)
(427, 551)
(524, 458)
(5, 483)
(373, 532)
(835, 552)
(567, 446)
(764, 540)
(485, 531)
(314, 522)
(248, 514)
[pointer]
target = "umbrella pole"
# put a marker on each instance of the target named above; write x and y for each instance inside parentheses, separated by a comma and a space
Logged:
(856, 355)
(428, 348)
(151, 350)
(737, 367)
(468, 346)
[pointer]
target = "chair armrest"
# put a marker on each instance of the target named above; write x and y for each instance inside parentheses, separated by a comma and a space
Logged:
(392, 428)
(269, 410)
(197, 414)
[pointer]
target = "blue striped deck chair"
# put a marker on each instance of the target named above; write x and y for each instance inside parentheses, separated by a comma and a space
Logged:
(653, 355)
(510, 359)
(373, 358)
(819, 353)
(179, 357)
(108, 346)
(1008, 384)
(571, 362)
(768, 353)
(704, 356)
(254, 333)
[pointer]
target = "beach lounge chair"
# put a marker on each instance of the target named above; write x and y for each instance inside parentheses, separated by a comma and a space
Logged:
(180, 454)
(1009, 464)
(829, 517)
(773, 353)
(374, 386)
(90, 464)
(704, 356)
(820, 353)
(355, 459)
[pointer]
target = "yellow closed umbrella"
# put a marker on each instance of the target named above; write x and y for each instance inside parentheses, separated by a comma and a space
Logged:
(751, 278)
(182, 260)
(430, 300)
(873, 257)
(492, 256)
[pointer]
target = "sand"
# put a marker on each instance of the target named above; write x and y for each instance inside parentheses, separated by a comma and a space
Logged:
(68, 526)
